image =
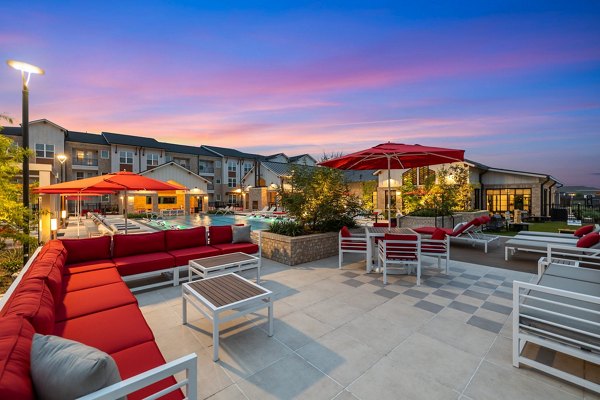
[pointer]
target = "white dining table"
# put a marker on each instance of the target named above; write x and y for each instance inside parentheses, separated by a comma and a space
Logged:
(374, 232)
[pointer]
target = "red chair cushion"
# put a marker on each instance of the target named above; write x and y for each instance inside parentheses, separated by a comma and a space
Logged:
(589, 240)
(87, 301)
(16, 336)
(90, 279)
(380, 224)
(141, 263)
(462, 228)
(345, 232)
(428, 230)
(185, 238)
(87, 266)
(220, 234)
(80, 250)
(584, 230)
(50, 272)
(54, 250)
(183, 256)
(401, 251)
(227, 248)
(33, 300)
(131, 245)
(140, 358)
(110, 330)
(485, 219)
(438, 234)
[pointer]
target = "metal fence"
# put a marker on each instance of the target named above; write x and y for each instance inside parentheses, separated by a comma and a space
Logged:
(587, 213)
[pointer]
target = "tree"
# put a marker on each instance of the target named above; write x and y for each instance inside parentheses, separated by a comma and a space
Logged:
(320, 199)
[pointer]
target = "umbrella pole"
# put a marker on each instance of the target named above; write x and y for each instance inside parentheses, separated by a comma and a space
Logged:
(78, 209)
(126, 206)
(389, 197)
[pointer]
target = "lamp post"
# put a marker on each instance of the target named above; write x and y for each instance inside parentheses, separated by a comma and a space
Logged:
(61, 159)
(26, 71)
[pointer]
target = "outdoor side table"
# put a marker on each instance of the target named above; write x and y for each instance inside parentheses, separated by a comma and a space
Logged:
(223, 264)
(230, 292)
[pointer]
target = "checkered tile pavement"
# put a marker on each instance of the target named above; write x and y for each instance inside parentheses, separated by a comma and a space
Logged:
(484, 298)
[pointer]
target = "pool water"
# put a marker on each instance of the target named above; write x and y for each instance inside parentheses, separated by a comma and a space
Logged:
(190, 221)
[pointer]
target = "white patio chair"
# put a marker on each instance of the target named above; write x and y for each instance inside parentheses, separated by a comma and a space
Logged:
(405, 252)
(351, 243)
(438, 248)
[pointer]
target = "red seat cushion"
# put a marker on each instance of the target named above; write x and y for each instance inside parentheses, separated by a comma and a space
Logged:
(183, 256)
(438, 234)
(87, 266)
(110, 330)
(15, 357)
(227, 248)
(87, 301)
(589, 240)
(380, 224)
(428, 230)
(140, 358)
(48, 270)
(33, 300)
(80, 250)
(90, 279)
(220, 234)
(185, 238)
(130, 245)
(433, 248)
(345, 232)
(463, 228)
(140, 263)
(584, 230)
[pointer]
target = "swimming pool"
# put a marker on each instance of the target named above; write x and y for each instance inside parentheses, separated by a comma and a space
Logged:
(190, 221)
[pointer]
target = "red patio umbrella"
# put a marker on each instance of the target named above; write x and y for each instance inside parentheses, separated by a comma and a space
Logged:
(395, 156)
(109, 183)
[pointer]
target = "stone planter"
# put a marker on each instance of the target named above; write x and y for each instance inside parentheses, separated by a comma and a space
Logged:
(297, 250)
(442, 222)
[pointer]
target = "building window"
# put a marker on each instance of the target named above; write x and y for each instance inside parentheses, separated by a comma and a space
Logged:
(232, 199)
(126, 157)
(168, 158)
(218, 181)
(104, 154)
(85, 157)
(105, 198)
(44, 150)
(152, 159)
(502, 200)
(167, 200)
(79, 175)
(247, 168)
(232, 182)
(231, 166)
(217, 197)
(218, 164)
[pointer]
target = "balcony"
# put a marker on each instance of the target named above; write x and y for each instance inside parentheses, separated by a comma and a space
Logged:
(210, 186)
(206, 170)
(86, 162)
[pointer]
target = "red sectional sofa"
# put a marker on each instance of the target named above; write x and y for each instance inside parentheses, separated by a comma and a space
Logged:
(75, 289)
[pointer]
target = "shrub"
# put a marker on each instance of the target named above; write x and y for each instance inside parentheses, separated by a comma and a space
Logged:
(287, 228)
(11, 259)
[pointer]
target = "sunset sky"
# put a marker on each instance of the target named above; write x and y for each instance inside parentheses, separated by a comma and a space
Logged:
(514, 83)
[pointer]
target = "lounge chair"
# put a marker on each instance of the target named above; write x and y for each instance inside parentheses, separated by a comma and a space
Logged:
(589, 241)
(264, 210)
(351, 243)
(469, 232)
(269, 212)
(400, 250)
(223, 211)
(584, 230)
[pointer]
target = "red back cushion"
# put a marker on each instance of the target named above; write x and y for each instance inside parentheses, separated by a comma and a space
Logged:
(345, 232)
(438, 234)
(485, 219)
(380, 224)
(463, 228)
(401, 250)
(220, 234)
(584, 230)
(394, 236)
(49, 271)
(54, 248)
(185, 238)
(589, 240)
(130, 245)
(81, 250)
(15, 348)
(34, 301)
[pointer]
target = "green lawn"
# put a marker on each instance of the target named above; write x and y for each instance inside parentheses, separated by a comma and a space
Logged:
(553, 227)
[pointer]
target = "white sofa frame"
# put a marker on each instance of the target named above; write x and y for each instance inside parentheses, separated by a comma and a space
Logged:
(552, 340)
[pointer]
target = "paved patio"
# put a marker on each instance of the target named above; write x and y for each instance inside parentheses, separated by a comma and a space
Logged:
(339, 334)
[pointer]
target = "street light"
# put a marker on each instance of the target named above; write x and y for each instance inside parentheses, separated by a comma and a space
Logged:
(26, 71)
(61, 159)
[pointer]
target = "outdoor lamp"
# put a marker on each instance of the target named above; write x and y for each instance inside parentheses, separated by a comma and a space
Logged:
(26, 71)
(63, 214)
(53, 225)
(61, 158)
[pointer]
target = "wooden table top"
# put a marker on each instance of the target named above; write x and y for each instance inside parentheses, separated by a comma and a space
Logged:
(225, 289)
(223, 259)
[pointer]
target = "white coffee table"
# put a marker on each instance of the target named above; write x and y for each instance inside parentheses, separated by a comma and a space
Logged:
(223, 264)
(230, 292)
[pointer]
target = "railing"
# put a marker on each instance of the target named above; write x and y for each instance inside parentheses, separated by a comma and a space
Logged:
(587, 213)
(210, 186)
(90, 162)
(206, 170)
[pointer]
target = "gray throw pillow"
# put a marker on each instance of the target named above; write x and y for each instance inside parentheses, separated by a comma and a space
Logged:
(241, 234)
(65, 369)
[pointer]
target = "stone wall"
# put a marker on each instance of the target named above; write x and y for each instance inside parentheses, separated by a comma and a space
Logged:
(445, 222)
(297, 250)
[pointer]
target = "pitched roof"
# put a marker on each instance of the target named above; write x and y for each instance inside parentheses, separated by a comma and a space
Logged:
(12, 130)
(296, 158)
(130, 140)
(279, 169)
(227, 152)
(84, 137)
(173, 164)
(181, 148)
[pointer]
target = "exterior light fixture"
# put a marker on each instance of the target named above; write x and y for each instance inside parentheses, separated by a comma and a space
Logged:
(26, 71)
(63, 214)
(53, 225)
